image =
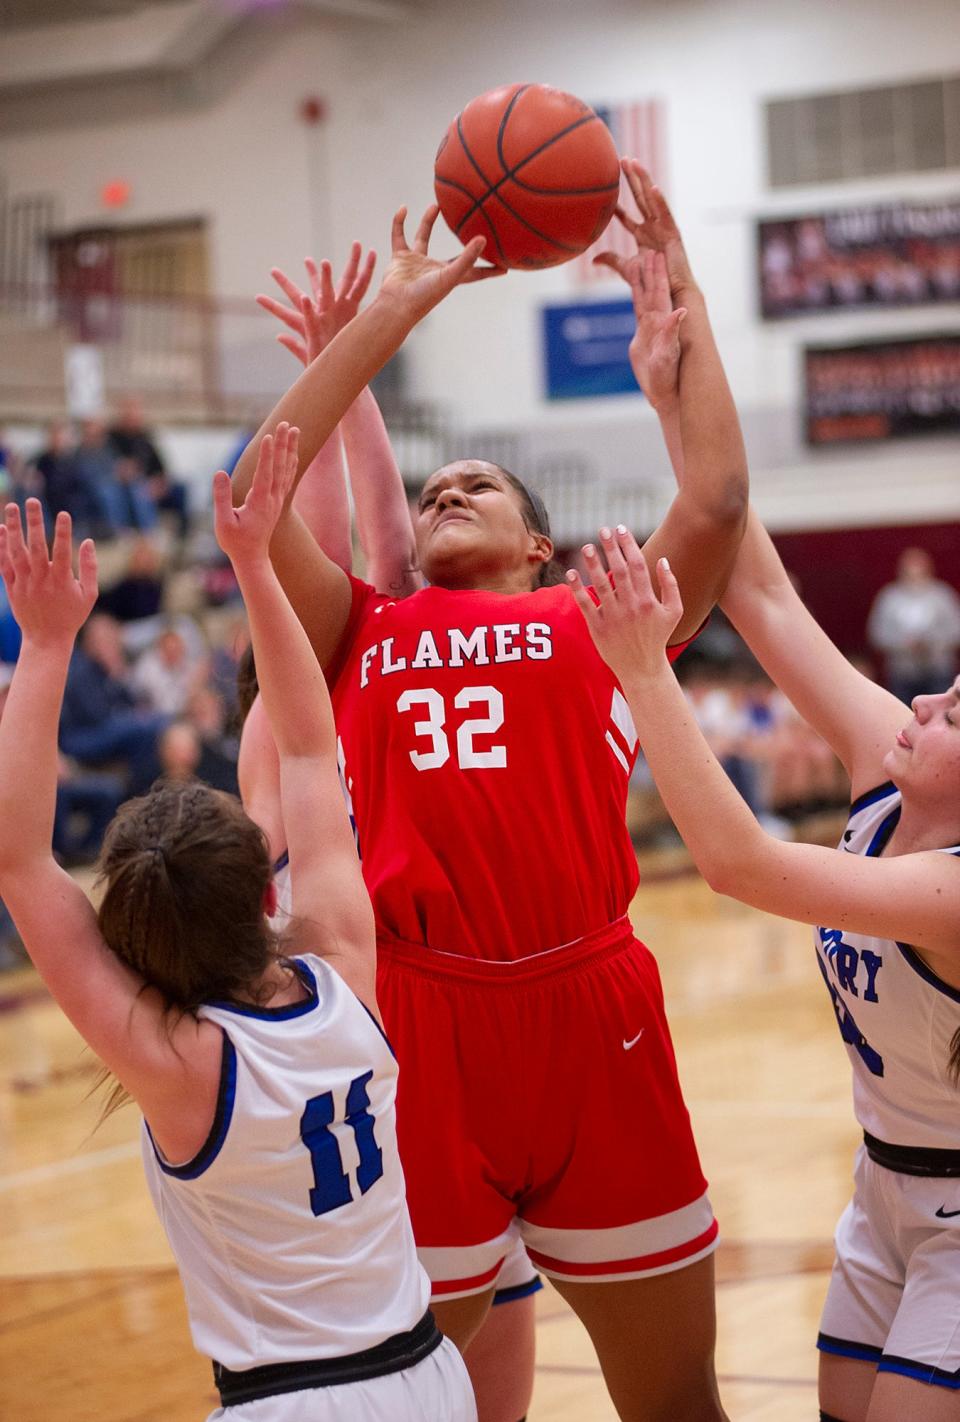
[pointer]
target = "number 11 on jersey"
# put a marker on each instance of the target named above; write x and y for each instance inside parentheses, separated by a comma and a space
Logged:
(331, 1184)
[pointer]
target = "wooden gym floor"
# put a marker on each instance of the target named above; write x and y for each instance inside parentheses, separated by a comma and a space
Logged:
(92, 1324)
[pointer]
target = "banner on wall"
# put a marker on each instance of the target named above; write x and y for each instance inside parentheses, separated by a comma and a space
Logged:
(900, 254)
(586, 349)
(882, 390)
(639, 131)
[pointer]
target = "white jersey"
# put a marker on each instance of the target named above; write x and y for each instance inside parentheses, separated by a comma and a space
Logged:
(290, 1225)
(896, 1016)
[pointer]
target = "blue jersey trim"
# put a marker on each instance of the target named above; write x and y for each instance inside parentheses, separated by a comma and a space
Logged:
(278, 1014)
(518, 1291)
(281, 861)
(883, 832)
(922, 1372)
(912, 957)
(222, 1116)
(844, 1348)
(870, 797)
(378, 1026)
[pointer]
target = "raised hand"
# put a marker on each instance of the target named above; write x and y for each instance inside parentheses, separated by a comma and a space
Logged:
(48, 602)
(244, 533)
(655, 231)
(417, 281)
(655, 347)
(315, 320)
(630, 625)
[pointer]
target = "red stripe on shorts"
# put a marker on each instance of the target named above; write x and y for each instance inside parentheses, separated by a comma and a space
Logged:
(628, 1266)
(455, 1286)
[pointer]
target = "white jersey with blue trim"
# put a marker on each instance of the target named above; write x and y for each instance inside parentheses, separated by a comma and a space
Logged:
(895, 1015)
(290, 1225)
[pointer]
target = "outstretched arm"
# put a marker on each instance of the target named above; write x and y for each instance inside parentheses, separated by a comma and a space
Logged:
(413, 285)
(855, 716)
(703, 526)
(914, 898)
(380, 500)
(330, 901)
(123, 1021)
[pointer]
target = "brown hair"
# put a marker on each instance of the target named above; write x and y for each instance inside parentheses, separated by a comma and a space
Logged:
(186, 871)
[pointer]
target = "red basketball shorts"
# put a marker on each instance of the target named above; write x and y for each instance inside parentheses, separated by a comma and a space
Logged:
(543, 1091)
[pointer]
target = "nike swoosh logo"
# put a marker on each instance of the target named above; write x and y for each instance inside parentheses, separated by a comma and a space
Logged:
(943, 1214)
(627, 1045)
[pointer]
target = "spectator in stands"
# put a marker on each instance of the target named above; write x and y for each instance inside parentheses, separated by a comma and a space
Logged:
(139, 458)
(65, 486)
(101, 722)
(184, 755)
(218, 750)
(166, 675)
(86, 803)
(122, 492)
(139, 593)
(915, 625)
(225, 659)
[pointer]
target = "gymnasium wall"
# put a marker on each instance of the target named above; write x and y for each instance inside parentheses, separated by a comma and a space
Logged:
(272, 189)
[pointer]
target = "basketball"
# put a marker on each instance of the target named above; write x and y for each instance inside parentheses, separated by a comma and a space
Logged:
(533, 170)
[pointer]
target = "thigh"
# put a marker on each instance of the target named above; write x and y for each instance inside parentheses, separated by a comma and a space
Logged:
(616, 1187)
(896, 1398)
(457, 1140)
(845, 1386)
(671, 1377)
(500, 1360)
(867, 1281)
(462, 1319)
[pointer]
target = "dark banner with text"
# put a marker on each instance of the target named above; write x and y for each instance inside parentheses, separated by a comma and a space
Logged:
(902, 254)
(883, 389)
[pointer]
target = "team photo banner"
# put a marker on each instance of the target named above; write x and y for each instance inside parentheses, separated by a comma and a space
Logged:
(900, 254)
(883, 389)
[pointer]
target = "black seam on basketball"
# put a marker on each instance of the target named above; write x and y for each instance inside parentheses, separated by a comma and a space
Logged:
(503, 123)
(493, 232)
(544, 237)
(564, 192)
(477, 169)
(457, 187)
(493, 188)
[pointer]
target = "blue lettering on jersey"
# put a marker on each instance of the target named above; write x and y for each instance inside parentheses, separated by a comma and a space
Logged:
(846, 962)
(849, 1030)
(331, 1185)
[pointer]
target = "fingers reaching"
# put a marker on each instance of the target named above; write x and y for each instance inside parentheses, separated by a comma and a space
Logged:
(87, 570)
(398, 237)
(421, 241)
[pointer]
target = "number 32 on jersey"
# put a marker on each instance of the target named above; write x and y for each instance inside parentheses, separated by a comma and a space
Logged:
(432, 733)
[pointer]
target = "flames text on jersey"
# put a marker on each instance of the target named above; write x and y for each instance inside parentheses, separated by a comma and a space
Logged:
(500, 642)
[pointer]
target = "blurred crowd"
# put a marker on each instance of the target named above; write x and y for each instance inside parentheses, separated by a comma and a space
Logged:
(151, 688)
(782, 768)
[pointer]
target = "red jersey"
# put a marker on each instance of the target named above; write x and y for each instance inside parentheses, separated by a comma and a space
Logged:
(486, 749)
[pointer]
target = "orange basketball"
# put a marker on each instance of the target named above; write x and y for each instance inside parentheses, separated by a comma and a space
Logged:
(533, 170)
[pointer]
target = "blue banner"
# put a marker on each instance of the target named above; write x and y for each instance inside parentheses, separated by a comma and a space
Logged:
(586, 349)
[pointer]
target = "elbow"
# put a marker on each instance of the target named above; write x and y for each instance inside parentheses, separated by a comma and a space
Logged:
(725, 873)
(729, 508)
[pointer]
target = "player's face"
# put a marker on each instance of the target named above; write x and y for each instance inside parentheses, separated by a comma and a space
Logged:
(926, 757)
(470, 529)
